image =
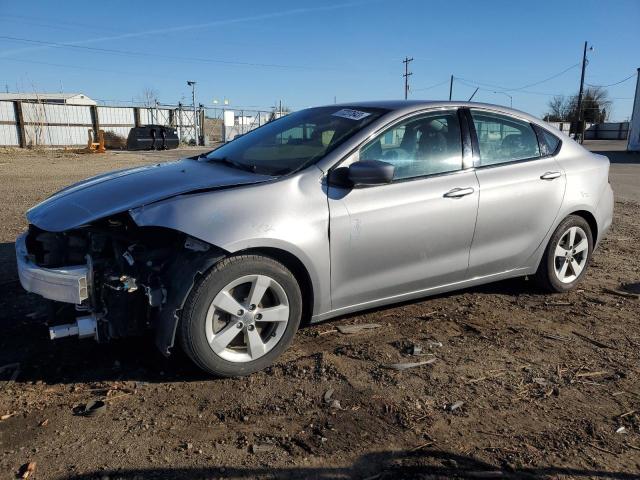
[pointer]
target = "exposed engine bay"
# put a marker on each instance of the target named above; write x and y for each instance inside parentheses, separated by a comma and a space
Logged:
(138, 277)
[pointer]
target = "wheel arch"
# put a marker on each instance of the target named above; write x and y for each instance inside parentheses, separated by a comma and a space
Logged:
(581, 211)
(297, 268)
(590, 219)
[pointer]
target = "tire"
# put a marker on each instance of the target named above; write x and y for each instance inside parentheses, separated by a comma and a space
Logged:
(211, 315)
(550, 274)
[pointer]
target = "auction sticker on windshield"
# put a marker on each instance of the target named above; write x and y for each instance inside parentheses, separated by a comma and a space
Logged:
(351, 114)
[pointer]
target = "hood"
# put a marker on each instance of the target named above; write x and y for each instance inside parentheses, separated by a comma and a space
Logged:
(118, 191)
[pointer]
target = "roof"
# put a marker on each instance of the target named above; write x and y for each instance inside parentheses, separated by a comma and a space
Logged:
(407, 106)
(52, 97)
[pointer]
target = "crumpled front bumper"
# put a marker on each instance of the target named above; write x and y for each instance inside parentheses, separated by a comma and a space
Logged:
(68, 284)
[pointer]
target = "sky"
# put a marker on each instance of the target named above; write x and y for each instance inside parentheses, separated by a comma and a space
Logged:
(307, 53)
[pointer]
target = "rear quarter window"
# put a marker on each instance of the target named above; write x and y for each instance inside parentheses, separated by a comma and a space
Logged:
(549, 143)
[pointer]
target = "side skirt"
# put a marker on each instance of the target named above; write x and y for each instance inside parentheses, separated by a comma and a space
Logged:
(427, 292)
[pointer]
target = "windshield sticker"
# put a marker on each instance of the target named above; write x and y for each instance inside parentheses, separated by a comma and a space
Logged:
(351, 114)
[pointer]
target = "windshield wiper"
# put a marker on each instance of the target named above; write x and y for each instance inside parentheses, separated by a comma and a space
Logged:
(238, 165)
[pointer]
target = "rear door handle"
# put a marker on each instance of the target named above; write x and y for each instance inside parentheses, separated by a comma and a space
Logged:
(459, 192)
(549, 175)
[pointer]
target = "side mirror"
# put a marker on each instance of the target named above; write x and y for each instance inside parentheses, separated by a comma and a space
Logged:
(370, 172)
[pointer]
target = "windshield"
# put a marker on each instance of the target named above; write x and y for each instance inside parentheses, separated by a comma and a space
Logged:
(294, 141)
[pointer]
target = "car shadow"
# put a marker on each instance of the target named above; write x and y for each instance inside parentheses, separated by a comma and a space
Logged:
(618, 156)
(425, 463)
(24, 339)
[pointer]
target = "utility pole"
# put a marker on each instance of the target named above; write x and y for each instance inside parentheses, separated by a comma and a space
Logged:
(450, 87)
(406, 62)
(195, 115)
(584, 64)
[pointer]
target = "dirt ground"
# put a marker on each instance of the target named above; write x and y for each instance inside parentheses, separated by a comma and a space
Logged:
(524, 385)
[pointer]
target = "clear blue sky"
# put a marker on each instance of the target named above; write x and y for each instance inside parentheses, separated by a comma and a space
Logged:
(306, 52)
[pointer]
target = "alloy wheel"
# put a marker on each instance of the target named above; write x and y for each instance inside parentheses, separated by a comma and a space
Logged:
(247, 318)
(571, 254)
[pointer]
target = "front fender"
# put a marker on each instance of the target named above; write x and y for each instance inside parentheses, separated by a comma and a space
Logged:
(290, 214)
(179, 281)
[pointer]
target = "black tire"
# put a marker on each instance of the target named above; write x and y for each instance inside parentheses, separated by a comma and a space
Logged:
(193, 319)
(546, 276)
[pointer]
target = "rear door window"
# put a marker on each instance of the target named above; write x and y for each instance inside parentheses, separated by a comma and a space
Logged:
(503, 139)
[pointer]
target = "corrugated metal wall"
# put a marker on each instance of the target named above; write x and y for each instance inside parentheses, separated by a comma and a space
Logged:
(155, 116)
(57, 125)
(8, 126)
(117, 119)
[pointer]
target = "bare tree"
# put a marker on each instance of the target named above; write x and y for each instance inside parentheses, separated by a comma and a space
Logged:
(558, 109)
(595, 107)
(148, 97)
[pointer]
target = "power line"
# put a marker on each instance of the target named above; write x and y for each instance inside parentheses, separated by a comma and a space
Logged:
(616, 83)
(545, 80)
(430, 86)
(515, 89)
(130, 53)
(80, 67)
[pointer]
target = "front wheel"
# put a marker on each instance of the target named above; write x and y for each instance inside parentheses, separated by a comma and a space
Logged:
(241, 316)
(567, 255)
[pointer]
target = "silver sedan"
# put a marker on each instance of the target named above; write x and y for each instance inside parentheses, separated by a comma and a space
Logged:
(324, 212)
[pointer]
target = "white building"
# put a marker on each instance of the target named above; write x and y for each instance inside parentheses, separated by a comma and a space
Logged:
(55, 98)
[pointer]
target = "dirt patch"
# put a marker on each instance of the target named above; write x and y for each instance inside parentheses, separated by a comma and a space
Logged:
(523, 384)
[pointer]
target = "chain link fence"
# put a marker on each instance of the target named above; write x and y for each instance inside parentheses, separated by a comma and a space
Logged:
(225, 124)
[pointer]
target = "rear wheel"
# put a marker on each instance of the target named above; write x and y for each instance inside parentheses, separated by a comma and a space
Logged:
(567, 255)
(241, 316)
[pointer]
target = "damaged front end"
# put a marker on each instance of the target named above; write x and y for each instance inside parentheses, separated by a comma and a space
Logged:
(124, 280)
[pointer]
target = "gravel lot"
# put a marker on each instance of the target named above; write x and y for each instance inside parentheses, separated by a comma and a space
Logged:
(524, 385)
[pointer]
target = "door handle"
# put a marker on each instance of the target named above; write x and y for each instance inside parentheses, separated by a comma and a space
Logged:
(459, 192)
(549, 175)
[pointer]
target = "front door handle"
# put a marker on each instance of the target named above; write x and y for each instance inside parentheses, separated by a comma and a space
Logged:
(549, 175)
(459, 192)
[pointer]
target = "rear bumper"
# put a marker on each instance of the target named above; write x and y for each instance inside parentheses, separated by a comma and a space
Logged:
(604, 213)
(68, 284)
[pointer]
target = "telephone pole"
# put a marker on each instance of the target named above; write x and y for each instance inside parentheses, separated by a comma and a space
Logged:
(450, 87)
(406, 62)
(192, 84)
(584, 64)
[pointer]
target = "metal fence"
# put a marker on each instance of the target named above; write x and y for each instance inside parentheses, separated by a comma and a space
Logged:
(598, 131)
(607, 131)
(31, 124)
(224, 124)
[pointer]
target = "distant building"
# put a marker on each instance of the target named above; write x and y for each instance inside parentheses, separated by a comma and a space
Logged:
(56, 98)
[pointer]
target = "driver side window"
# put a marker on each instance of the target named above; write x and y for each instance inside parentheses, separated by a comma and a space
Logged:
(419, 146)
